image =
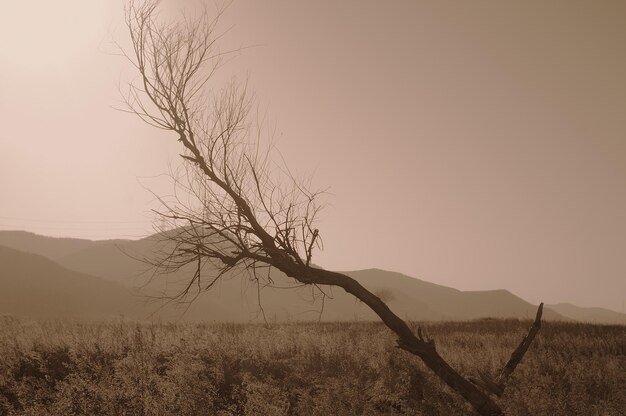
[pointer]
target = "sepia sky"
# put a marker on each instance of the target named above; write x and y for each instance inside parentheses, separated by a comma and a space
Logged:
(479, 145)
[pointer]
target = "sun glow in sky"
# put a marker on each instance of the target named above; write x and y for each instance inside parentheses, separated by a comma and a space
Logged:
(44, 34)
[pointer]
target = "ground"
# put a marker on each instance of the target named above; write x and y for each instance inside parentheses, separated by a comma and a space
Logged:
(126, 368)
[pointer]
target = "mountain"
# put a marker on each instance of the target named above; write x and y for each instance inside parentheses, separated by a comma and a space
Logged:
(445, 303)
(593, 315)
(50, 247)
(117, 260)
(411, 298)
(35, 286)
(236, 298)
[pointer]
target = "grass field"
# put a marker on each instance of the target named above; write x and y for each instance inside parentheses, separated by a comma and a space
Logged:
(121, 368)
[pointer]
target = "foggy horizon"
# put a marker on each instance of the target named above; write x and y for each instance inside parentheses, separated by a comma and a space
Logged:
(473, 146)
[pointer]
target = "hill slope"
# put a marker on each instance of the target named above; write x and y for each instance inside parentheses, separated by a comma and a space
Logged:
(592, 315)
(34, 286)
(446, 303)
(236, 298)
(50, 247)
(411, 298)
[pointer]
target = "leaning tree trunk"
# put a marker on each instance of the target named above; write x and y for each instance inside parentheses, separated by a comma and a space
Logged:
(417, 344)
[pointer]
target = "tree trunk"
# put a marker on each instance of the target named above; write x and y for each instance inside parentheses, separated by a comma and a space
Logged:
(407, 340)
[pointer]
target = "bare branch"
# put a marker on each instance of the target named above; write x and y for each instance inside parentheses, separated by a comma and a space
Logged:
(498, 385)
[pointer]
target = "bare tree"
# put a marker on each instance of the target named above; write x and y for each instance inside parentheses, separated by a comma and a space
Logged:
(240, 212)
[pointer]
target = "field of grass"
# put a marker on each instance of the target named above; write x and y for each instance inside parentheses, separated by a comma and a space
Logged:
(121, 368)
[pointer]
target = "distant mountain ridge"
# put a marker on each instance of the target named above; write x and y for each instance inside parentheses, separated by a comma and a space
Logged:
(50, 247)
(590, 315)
(35, 286)
(235, 299)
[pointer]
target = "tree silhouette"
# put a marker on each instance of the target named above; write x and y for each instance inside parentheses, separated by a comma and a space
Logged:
(239, 211)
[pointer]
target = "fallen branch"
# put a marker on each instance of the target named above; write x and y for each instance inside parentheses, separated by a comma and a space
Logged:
(497, 387)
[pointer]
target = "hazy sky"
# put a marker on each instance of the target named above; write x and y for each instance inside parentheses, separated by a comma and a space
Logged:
(479, 145)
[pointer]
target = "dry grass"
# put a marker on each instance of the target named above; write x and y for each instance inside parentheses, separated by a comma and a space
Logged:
(121, 368)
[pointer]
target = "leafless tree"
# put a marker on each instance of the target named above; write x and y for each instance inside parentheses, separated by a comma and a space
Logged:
(239, 211)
